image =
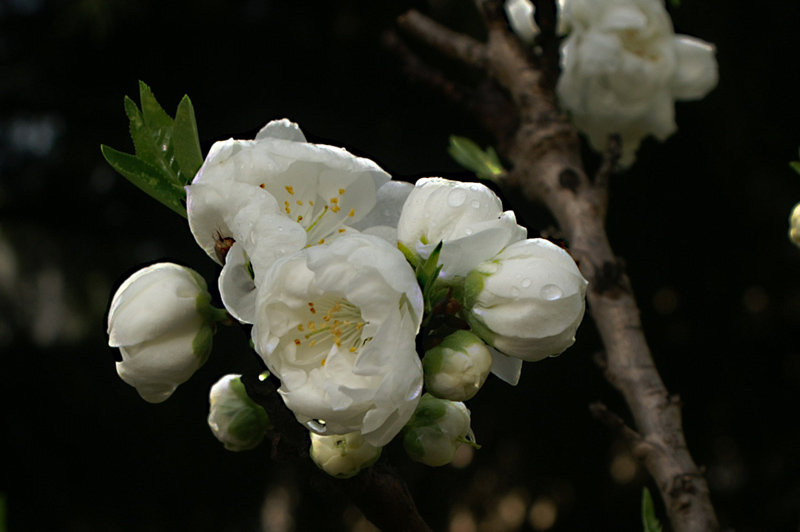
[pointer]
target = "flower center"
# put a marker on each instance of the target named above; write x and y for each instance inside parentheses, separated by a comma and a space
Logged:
(320, 218)
(332, 320)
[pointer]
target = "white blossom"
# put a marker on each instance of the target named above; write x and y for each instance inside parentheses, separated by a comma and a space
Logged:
(623, 67)
(520, 16)
(336, 323)
(160, 319)
(267, 198)
(528, 301)
(234, 418)
(342, 455)
(794, 225)
(467, 217)
(457, 368)
(436, 431)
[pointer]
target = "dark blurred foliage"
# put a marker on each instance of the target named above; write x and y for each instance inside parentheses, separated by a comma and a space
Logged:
(700, 221)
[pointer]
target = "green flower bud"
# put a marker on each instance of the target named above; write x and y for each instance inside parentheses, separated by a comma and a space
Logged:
(436, 431)
(342, 455)
(235, 419)
(458, 367)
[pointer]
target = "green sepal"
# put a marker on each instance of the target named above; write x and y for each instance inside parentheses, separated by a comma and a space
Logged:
(410, 256)
(186, 141)
(429, 409)
(485, 164)
(649, 520)
(258, 410)
(202, 342)
(473, 286)
(427, 275)
(147, 177)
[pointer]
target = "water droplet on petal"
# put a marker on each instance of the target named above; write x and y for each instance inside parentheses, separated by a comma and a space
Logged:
(456, 197)
(476, 204)
(468, 231)
(514, 291)
(526, 283)
(475, 188)
(551, 292)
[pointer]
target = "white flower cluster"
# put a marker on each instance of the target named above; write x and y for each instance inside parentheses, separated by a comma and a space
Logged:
(623, 67)
(326, 257)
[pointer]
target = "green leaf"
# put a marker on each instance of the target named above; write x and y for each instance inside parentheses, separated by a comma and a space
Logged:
(147, 142)
(155, 117)
(485, 164)
(427, 276)
(186, 141)
(795, 166)
(146, 177)
(649, 520)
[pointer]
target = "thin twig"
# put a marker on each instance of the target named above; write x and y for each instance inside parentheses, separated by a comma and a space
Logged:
(461, 47)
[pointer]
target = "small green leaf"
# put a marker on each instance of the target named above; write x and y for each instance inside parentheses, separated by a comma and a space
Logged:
(186, 141)
(485, 164)
(649, 520)
(147, 144)
(155, 117)
(146, 177)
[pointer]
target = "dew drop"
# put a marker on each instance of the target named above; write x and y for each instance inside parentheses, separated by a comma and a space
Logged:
(468, 231)
(551, 292)
(514, 291)
(475, 188)
(526, 283)
(457, 197)
(476, 204)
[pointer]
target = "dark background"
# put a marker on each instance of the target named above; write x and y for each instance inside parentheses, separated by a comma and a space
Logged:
(701, 221)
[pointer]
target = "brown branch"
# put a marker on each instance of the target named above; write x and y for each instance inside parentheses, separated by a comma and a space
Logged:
(378, 491)
(547, 167)
(466, 49)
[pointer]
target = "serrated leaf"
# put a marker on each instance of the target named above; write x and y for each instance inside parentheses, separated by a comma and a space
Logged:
(186, 141)
(795, 166)
(147, 177)
(485, 164)
(155, 117)
(649, 520)
(146, 142)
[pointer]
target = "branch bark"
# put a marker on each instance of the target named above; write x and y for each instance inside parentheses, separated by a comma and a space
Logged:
(547, 168)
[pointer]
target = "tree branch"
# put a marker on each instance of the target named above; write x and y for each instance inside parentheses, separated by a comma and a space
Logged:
(547, 167)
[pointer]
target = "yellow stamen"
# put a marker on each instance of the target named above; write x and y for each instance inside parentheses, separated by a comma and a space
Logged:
(352, 213)
(290, 190)
(341, 191)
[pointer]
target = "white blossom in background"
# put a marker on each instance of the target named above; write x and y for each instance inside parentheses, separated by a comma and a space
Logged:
(342, 455)
(161, 320)
(337, 323)
(623, 67)
(234, 418)
(794, 225)
(263, 199)
(467, 217)
(520, 16)
(528, 301)
(457, 368)
(439, 427)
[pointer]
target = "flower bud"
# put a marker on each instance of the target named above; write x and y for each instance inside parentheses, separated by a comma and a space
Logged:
(794, 225)
(458, 367)
(235, 419)
(436, 430)
(161, 320)
(342, 455)
(528, 301)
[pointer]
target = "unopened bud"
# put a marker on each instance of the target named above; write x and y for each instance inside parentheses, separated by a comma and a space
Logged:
(458, 367)
(235, 419)
(342, 455)
(436, 431)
